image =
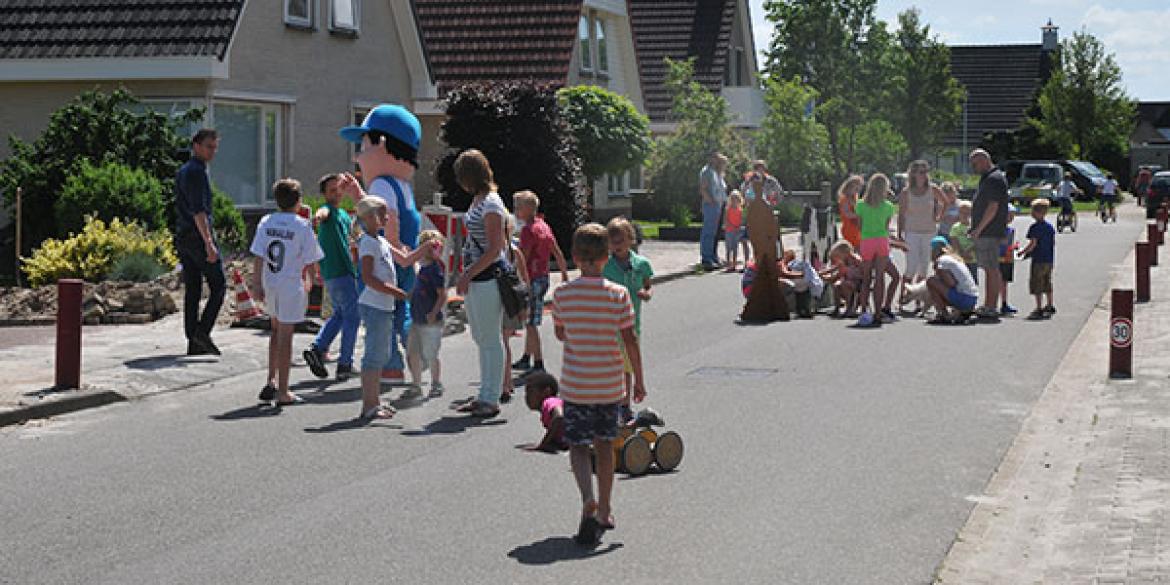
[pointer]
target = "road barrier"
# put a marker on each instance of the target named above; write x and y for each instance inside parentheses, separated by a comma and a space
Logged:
(67, 373)
(1141, 266)
(1121, 335)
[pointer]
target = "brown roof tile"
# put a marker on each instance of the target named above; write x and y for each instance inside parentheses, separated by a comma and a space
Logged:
(1001, 83)
(31, 29)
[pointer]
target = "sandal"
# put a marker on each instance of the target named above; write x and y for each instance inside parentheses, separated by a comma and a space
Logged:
(588, 532)
(379, 412)
(506, 396)
(482, 410)
(468, 406)
(295, 401)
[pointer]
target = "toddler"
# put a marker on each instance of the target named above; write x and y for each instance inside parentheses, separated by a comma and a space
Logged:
(1042, 249)
(427, 301)
(735, 230)
(540, 393)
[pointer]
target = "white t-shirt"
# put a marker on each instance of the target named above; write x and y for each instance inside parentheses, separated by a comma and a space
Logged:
(1109, 188)
(963, 280)
(1065, 190)
(477, 241)
(382, 189)
(378, 249)
(287, 244)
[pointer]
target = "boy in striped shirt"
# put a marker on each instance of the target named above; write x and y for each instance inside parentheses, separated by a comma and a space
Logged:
(591, 314)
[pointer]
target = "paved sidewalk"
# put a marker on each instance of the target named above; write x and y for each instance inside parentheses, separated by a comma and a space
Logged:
(133, 361)
(1081, 496)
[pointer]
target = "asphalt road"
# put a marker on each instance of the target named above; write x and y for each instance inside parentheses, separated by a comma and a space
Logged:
(816, 453)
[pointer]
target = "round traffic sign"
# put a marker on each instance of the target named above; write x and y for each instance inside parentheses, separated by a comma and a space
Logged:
(1120, 332)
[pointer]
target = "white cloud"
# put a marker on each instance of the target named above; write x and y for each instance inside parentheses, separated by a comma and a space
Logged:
(1142, 50)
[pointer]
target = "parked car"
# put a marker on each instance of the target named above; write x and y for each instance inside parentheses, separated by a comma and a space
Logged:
(1159, 192)
(1086, 175)
(1036, 180)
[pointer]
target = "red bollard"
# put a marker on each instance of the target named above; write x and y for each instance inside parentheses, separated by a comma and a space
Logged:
(1121, 335)
(1163, 216)
(1154, 235)
(1141, 266)
(1153, 245)
(68, 365)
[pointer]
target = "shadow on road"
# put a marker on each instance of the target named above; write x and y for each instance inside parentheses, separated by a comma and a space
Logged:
(351, 425)
(558, 548)
(247, 412)
(160, 362)
(451, 425)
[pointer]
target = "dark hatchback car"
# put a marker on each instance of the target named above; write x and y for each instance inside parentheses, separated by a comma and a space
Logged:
(1159, 192)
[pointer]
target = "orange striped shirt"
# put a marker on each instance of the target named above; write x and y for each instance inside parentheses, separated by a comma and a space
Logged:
(592, 312)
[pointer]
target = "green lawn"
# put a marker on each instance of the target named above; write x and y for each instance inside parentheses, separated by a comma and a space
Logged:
(650, 228)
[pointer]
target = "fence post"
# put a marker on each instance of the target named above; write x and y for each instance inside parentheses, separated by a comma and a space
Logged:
(1121, 335)
(1141, 267)
(68, 363)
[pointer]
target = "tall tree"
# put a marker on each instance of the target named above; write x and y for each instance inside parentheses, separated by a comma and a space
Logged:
(839, 48)
(791, 139)
(1084, 112)
(612, 135)
(926, 101)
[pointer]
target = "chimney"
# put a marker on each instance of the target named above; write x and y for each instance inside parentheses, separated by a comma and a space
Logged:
(1050, 38)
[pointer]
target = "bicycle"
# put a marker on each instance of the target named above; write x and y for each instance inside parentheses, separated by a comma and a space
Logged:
(1066, 217)
(1106, 214)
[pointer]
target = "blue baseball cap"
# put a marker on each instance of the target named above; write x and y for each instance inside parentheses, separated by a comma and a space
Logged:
(392, 119)
(939, 242)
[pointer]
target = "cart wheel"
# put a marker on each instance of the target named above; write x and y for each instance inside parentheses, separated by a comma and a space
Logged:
(649, 434)
(1072, 225)
(636, 456)
(668, 451)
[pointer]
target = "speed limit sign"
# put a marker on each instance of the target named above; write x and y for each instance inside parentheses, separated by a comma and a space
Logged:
(1121, 332)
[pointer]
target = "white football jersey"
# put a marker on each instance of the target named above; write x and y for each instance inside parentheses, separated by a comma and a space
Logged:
(287, 244)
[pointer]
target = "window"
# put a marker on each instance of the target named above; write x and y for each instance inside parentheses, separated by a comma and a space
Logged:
(174, 108)
(298, 13)
(248, 161)
(344, 15)
(586, 46)
(599, 36)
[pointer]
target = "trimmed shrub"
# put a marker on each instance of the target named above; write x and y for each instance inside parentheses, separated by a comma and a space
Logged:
(518, 126)
(137, 266)
(230, 231)
(107, 191)
(91, 254)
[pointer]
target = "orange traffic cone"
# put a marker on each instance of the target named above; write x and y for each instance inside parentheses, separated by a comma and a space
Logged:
(245, 308)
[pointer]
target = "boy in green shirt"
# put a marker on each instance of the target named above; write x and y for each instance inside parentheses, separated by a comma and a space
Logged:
(961, 239)
(633, 271)
(340, 274)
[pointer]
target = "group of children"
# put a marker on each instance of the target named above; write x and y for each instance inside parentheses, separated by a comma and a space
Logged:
(860, 262)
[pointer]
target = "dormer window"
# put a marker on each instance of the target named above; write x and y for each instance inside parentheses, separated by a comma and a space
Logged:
(591, 37)
(344, 16)
(298, 13)
(586, 46)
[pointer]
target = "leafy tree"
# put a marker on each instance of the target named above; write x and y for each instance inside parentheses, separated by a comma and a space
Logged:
(878, 146)
(612, 135)
(839, 48)
(793, 142)
(519, 127)
(108, 191)
(926, 101)
(703, 119)
(1084, 112)
(96, 127)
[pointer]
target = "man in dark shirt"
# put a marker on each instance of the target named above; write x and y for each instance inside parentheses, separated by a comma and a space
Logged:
(989, 211)
(195, 243)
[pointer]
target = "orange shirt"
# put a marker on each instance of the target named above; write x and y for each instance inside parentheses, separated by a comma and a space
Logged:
(734, 219)
(850, 229)
(592, 311)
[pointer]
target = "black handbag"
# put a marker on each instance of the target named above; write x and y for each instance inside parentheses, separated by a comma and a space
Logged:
(514, 292)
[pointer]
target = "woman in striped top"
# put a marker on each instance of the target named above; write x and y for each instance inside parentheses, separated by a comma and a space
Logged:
(482, 253)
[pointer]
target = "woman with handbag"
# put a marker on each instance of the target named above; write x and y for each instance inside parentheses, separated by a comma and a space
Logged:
(483, 261)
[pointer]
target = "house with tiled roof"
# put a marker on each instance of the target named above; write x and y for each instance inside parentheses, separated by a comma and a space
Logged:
(278, 77)
(1001, 82)
(1149, 144)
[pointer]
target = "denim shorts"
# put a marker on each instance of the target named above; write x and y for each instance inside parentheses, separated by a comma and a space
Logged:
(963, 302)
(537, 290)
(379, 324)
(586, 422)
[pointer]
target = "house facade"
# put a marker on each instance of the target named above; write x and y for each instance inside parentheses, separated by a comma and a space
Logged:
(279, 77)
(1149, 144)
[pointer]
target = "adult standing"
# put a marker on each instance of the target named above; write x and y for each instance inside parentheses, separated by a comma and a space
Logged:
(769, 187)
(393, 134)
(920, 207)
(195, 244)
(989, 209)
(1141, 185)
(713, 192)
(483, 252)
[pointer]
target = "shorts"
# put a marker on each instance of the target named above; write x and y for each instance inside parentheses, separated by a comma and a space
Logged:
(586, 422)
(286, 302)
(1008, 271)
(917, 255)
(987, 253)
(1040, 280)
(1108, 198)
(963, 302)
(424, 341)
(734, 237)
(379, 324)
(536, 291)
(872, 248)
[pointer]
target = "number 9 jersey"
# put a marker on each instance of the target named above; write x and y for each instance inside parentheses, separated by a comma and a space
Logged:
(286, 244)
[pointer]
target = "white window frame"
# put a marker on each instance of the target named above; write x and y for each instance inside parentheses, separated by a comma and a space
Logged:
(192, 103)
(265, 107)
(600, 65)
(356, 5)
(586, 50)
(297, 21)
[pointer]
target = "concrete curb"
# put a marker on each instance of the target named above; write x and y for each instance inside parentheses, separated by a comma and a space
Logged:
(64, 405)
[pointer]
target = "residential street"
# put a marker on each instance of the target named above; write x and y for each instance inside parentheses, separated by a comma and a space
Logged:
(815, 453)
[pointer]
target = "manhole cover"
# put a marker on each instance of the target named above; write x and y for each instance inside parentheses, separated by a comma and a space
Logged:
(719, 372)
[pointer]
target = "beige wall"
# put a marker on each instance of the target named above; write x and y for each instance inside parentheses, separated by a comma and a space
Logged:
(326, 73)
(432, 148)
(27, 106)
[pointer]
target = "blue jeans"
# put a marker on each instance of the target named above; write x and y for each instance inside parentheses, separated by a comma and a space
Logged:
(485, 315)
(343, 296)
(709, 232)
(378, 325)
(405, 278)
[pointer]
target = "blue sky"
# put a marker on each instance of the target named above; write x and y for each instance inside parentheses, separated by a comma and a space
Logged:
(1136, 31)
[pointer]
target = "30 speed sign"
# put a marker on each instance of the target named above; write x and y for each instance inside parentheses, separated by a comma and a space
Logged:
(1121, 332)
